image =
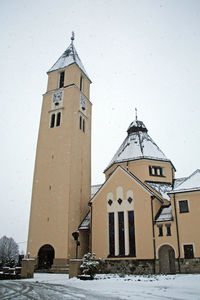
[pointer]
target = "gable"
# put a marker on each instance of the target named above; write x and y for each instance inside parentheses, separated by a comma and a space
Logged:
(121, 177)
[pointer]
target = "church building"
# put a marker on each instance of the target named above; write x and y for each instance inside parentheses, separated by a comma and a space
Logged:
(142, 218)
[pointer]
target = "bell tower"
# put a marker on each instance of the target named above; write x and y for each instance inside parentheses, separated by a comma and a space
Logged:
(62, 176)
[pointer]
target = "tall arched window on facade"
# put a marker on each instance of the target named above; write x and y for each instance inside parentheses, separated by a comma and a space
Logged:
(58, 119)
(52, 120)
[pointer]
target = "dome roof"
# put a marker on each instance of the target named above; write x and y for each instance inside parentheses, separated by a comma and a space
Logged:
(137, 145)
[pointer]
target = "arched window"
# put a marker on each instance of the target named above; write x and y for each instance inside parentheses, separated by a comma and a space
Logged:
(80, 122)
(52, 120)
(83, 125)
(58, 119)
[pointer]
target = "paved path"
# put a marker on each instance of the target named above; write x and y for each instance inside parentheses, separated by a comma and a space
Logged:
(20, 290)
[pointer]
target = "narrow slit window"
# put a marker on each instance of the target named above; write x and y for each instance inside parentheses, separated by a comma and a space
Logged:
(80, 122)
(52, 120)
(168, 227)
(62, 79)
(81, 83)
(83, 125)
(58, 119)
(160, 230)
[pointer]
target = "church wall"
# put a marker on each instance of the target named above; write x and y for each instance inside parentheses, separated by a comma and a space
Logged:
(188, 222)
(165, 239)
(142, 211)
(140, 168)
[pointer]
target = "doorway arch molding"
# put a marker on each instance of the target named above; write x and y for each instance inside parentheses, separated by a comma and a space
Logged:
(167, 261)
(164, 244)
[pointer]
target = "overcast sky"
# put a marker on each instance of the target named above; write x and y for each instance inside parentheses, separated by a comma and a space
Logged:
(138, 53)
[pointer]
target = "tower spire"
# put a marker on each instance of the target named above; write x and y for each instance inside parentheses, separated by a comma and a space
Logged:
(135, 114)
(72, 37)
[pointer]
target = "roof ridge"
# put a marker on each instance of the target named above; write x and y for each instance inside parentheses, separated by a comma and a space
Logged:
(186, 178)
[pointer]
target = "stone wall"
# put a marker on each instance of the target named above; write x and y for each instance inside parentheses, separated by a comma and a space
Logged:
(147, 266)
(128, 266)
(27, 270)
(190, 265)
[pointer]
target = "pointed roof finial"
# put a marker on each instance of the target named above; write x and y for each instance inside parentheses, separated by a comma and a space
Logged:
(72, 37)
(135, 114)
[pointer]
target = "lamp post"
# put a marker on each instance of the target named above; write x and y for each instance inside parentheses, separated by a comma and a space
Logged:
(75, 236)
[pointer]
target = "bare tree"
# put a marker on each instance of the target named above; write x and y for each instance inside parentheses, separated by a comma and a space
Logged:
(9, 252)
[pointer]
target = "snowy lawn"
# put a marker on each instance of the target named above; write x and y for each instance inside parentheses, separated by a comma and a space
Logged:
(184, 286)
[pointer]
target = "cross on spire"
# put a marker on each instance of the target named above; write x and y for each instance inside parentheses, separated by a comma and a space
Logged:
(135, 114)
(72, 37)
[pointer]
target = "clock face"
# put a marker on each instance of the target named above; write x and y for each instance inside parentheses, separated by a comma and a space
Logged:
(57, 97)
(83, 102)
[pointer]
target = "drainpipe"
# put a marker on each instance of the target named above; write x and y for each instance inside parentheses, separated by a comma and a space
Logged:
(154, 242)
(177, 232)
(90, 233)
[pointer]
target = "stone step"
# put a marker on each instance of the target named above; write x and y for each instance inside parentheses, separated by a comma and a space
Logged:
(60, 269)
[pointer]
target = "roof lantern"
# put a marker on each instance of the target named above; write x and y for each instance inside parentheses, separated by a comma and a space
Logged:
(136, 126)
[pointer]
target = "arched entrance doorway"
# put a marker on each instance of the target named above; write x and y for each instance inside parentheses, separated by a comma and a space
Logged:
(167, 260)
(45, 257)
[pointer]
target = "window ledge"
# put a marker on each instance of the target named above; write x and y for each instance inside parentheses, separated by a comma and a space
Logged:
(157, 175)
(120, 256)
(57, 108)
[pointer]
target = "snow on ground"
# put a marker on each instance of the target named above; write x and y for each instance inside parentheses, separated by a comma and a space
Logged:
(182, 286)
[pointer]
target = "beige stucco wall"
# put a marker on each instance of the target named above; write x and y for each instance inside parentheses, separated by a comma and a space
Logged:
(142, 209)
(140, 168)
(72, 76)
(62, 177)
(188, 223)
(166, 240)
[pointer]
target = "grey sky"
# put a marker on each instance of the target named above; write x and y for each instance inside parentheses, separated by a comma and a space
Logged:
(142, 54)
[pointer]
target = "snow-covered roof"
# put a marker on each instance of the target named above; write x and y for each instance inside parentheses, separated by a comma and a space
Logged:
(85, 224)
(94, 189)
(191, 183)
(69, 57)
(137, 145)
(165, 214)
(178, 181)
(162, 188)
